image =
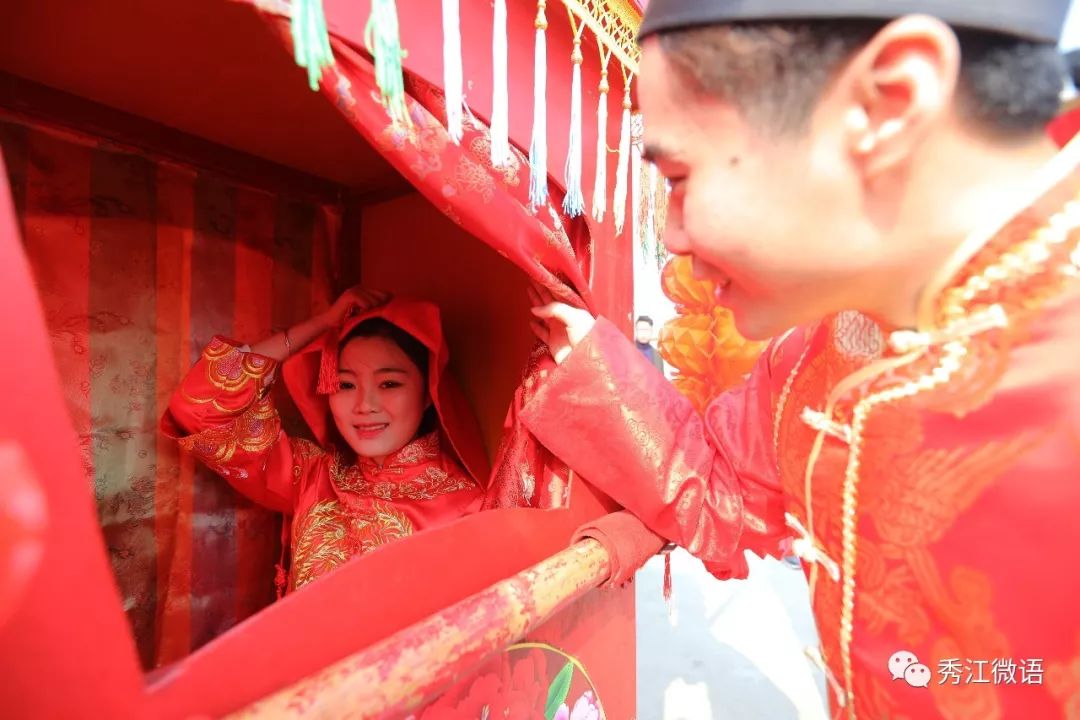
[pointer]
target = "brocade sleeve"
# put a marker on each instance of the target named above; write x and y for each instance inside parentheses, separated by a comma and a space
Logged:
(710, 485)
(223, 415)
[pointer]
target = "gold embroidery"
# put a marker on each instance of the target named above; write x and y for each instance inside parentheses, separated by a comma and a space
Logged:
(425, 448)
(472, 177)
(304, 451)
(230, 369)
(925, 495)
(330, 534)
(971, 701)
(914, 499)
(480, 146)
(388, 482)
(254, 431)
(320, 544)
(426, 135)
(956, 375)
(875, 700)
(850, 504)
(432, 484)
(911, 497)
(382, 525)
(556, 237)
(890, 597)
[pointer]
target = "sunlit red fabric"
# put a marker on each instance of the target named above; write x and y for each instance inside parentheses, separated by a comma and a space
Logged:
(1065, 127)
(45, 659)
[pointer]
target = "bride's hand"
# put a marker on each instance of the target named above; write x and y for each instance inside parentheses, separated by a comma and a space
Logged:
(354, 301)
(560, 326)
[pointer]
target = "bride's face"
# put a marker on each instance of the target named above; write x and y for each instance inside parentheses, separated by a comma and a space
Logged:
(382, 399)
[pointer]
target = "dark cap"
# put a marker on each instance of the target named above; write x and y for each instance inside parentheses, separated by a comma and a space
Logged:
(1039, 20)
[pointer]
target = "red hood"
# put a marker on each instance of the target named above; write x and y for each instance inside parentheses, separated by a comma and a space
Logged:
(311, 374)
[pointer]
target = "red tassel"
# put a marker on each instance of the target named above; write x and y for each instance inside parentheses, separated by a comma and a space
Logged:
(667, 579)
(281, 579)
(281, 576)
(328, 367)
(673, 616)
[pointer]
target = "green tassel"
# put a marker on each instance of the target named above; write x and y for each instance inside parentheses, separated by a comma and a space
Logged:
(311, 39)
(384, 43)
(660, 202)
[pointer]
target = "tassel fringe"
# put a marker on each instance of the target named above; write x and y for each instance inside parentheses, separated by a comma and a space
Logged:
(599, 198)
(644, 210)
(384, 43)
(637, 194)
(660, 207)
(574, 201)
(453, 80)
(653, 237)
(672, 614)
(328, 366)
(311, 39)
(281, 574)
(500, 103)
(538, 184)
(623, 168)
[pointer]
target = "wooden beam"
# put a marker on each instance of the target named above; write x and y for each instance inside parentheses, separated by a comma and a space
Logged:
(385, 193)
(394, 676)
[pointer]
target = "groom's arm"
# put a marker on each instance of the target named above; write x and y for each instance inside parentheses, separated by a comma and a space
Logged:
(709, 485)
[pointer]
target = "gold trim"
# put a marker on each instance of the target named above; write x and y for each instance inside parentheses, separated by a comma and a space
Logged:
(785, 392)
(615, 24)
(1027, 258)
(1055, 172)
(951, 359)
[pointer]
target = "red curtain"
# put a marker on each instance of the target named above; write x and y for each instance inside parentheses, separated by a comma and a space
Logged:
(138, 263)
(458, 179)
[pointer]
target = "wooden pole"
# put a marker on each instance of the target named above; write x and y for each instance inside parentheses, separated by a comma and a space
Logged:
(399, 673)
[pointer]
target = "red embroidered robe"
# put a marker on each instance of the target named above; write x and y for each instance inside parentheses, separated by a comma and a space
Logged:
(930, 478)
(223, 415)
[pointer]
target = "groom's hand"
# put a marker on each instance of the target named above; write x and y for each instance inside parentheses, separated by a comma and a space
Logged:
(560, 326)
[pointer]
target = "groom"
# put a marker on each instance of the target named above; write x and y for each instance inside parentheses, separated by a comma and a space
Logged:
(870, 184)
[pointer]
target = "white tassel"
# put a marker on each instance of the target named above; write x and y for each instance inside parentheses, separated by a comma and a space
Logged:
(574, 201)
(452, 72)
(538, 184)
(650, 210)
(619, 209)
(599, 196)
(636, 195)
(500, 102)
